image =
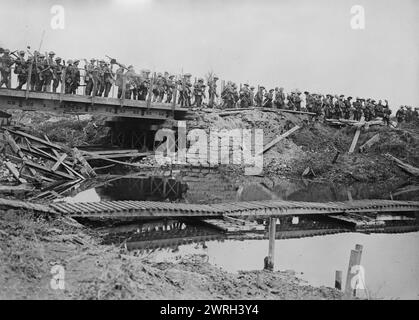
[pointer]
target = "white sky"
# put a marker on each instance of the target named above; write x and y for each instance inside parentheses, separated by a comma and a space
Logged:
(301, 44)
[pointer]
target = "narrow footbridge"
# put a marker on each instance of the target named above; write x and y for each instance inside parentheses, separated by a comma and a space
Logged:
(270, 208)
(82, 104)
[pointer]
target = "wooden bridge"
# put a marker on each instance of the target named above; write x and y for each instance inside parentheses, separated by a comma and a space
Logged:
(81, 104)
(257, 209)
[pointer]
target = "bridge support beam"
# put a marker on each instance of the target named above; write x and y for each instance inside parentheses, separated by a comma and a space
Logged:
(269, 260)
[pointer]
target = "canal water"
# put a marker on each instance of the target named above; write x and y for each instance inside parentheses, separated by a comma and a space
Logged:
(313, 249)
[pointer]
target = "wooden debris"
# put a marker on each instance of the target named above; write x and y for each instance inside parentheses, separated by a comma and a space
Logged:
(279, 138)
(406, 167)
(356, 137)
(12, 168)
(370, 143)
(45, 160)
(87, 168)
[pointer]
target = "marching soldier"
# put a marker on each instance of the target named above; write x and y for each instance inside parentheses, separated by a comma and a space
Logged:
(6, 63)
(144, 85)
(47, 72)
(245, 100)
(212, 91)
(259, 96)
(268, 99)
(89, 75)
(386, 113)
(21, 69)
(170, 87)
(252, 96)
(199, 92)
(108, 79)
(57, 74)
(309, 101)
(400, 115)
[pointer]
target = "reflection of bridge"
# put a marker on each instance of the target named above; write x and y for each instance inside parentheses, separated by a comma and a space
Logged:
(158, 188)
(172, 233)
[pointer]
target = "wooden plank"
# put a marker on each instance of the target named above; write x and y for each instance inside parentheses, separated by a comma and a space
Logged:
(78, 155)
(370, 143)
(59, 162)
(48, 170)
(279, 138)
(36, 139)
(407, 167)
(356, 137)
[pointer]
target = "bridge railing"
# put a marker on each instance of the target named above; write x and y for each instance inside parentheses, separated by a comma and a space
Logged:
(81, 89)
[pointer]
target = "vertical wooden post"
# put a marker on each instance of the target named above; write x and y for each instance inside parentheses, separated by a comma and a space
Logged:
(269, 260)
(354, 260)
(338, 280)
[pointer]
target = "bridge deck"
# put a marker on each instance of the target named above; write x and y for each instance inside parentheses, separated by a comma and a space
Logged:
(113, 209)
(79, 104)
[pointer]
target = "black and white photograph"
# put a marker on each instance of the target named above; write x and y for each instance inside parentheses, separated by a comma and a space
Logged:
(211, 156)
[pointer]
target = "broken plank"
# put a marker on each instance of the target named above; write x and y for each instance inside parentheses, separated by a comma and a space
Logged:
(279, 138)
(370, 143)
(406, 167)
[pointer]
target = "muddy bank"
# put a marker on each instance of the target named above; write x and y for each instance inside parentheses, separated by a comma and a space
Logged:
(30, 246)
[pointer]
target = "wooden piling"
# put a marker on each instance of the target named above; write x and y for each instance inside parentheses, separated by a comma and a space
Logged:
(269, 260)
(354, 260)
(338, 280)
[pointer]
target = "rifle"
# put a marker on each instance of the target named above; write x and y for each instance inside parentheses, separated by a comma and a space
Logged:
(113, 61)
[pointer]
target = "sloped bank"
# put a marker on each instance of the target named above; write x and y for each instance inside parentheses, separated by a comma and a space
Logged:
(31, 246)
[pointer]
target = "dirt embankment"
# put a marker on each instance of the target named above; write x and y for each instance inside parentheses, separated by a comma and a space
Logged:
(316, 145)
(30, 246)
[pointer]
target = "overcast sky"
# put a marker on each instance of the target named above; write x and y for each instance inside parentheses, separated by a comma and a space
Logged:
(301, 44)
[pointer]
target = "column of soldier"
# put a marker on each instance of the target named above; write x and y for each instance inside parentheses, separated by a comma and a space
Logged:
(48, 72)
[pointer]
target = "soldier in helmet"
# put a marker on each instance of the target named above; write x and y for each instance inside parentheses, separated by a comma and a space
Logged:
(6, 63)
(100, 87)
(212, 91)
(244, 93)
(158, 88)
(89, 78)
(39, 71)
(108, 79)
(57, 74)
(259, 96)
(252, 96)
(199, 92)
(21, 69)
(68, 76)
(267, 103)
(185, 91)
(75, 77)
(400, 115)
(170, 87)
(144, 85)
(47, 71)
(119, 81)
